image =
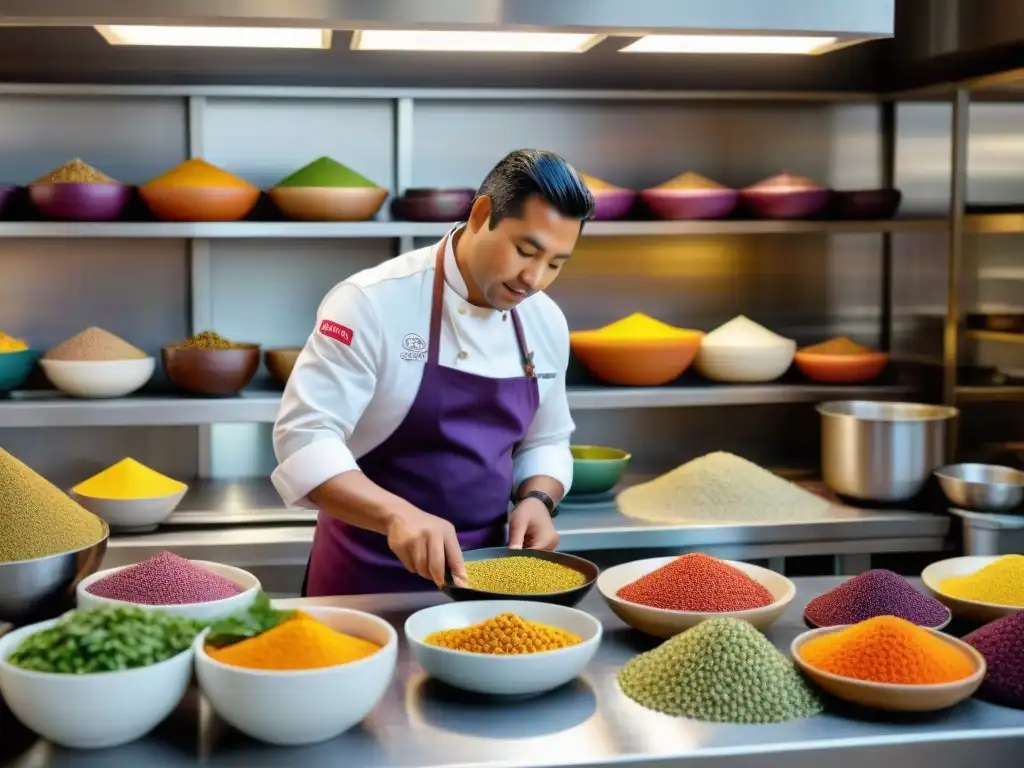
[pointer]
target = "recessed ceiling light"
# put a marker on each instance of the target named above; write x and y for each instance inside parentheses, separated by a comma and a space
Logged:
(729, 44)
(217, 37)
(466, 41)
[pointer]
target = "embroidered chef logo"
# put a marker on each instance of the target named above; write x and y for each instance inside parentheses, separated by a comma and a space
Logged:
(337, 332)
(414, 347)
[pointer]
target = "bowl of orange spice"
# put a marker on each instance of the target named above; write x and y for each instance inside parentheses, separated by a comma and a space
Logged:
(199, 191)
(840, 361)
(890, 664)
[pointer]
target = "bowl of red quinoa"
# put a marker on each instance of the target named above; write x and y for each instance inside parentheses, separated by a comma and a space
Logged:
(664, 596)
(197, 589)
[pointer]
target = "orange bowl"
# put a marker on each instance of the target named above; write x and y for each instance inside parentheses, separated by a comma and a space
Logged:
(173, 203)
(635, 362)
(841, 369)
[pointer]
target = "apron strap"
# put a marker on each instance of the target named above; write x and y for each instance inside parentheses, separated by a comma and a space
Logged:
(437, 301)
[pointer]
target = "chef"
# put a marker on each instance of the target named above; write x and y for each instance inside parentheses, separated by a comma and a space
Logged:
(427, 412)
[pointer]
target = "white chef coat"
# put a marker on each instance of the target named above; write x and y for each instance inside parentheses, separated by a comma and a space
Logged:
(343, 399)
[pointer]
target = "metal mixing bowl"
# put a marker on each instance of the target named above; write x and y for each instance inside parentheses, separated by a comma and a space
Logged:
(982, 487)
(42, 588)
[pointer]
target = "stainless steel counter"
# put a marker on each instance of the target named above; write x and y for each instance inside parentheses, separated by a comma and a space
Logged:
(420, 723)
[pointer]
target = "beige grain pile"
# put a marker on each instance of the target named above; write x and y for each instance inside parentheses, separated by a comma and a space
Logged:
(720, 487)
(94, 344)
(36, 518)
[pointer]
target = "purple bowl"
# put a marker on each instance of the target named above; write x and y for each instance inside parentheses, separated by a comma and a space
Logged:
(611, 204)
(799, 204)
(691, 203)
(80, 201)
(423, 204)
(866, 204)
(6, 196)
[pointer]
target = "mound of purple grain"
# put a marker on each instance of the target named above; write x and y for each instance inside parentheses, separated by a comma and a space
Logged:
(878, 592)
(1002, 644)
(164, 579)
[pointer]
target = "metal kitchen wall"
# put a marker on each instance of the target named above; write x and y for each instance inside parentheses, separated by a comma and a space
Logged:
(810, 286)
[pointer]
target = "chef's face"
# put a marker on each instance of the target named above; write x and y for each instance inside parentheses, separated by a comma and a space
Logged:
(521, 255)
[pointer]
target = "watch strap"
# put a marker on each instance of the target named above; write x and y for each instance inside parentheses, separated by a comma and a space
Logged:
(546, 500)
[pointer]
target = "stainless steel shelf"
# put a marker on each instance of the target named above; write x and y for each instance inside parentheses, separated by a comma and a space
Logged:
(990, 394)
(48, 409)
(995, 223)
(395, 229)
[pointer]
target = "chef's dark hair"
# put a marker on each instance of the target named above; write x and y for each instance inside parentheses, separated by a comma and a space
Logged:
(528, 172)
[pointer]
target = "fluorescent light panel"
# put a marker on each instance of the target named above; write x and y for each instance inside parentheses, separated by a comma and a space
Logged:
(729, 44)
(477, 42)
(217, 37)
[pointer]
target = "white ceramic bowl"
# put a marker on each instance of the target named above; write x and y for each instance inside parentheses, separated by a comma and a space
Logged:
(660, 622)
(209, 611)
(968, 610)
(132, 515)
(306, 706)
(894, 697)
(744, 364)
(99, 378)
(92, 711)
(519, 675)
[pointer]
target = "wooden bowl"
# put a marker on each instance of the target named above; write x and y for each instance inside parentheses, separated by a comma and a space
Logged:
(172, 203)
(841, 369)
(211, 372)
(635, 363)
(893, 697)
(328, 203)
(280, 362)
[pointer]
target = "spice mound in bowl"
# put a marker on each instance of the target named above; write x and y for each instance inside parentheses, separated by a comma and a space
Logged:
(503, 647)
(326, 190)
(197, 190)
(890, 664)
(690, 196)
(324, 668)
(524, 574)
(664, 596)
(209, 364)
(877, 592)
(16, 362)
(785, 196)
(743, 351)
(97, 363)
(97, 678)
(610, 202)
(752, 681)
(978, 588)
(1001, 643)
(130, 496)
(840, 360)
(78, 192)
(597, 468)
(637, 351)
(196, 589)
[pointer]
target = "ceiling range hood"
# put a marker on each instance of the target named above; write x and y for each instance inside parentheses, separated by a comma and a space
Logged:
(662, 26)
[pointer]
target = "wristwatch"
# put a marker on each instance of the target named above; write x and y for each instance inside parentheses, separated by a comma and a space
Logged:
(546, 500)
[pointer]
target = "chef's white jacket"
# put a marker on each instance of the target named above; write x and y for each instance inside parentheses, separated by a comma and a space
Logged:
(357, 376)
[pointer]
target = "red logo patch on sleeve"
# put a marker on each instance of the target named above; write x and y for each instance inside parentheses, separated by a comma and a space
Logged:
(337, 332)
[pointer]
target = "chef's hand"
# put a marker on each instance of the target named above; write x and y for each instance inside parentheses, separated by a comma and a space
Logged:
(530, 525)
(425, 543)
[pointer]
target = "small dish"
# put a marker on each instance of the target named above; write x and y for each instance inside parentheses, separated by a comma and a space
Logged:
(841, 369)
(596, 469)
(690, 203)
(981, 487)
(433, 204)
(968, 610)
(567, 597)
(188, 203)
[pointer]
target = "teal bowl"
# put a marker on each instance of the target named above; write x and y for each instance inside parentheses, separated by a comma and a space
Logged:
(15, 368)
(596, 469)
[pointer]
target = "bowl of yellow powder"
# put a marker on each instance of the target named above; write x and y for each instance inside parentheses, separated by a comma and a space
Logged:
(502, 573)
(840, 360)
(130, 496)
(306, 680)
(978, 588)
(197, 190)
(96, 363)
(503, 647)
(16, 362)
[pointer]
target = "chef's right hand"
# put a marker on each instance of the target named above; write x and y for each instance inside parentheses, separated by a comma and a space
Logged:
(425, 544)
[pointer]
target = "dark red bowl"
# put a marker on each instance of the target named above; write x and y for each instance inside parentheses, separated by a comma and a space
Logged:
(798, 204)
(690, 203)
(426, 204)
(611, 204)
(866, 203)
(80, 201)
(6, 196)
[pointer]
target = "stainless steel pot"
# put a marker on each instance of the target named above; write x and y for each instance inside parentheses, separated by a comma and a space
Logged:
(880, 451)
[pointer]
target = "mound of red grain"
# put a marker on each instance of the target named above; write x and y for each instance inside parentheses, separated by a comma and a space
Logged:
(878, 592)
(699, 583)
(164, 579)
(1002, 644)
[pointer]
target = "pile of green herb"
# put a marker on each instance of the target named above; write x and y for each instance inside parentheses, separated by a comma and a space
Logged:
(106, 639)
(260, 617)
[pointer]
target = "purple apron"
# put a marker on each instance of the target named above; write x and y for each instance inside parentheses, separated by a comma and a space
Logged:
(451, 457)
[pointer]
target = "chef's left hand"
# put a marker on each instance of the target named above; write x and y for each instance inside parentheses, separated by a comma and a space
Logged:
(530, 525)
